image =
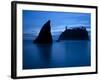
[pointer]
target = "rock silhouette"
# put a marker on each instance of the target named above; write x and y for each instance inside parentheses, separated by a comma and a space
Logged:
(45, 34)
(74, 34)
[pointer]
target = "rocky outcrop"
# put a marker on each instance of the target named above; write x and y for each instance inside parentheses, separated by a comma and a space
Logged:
(45, 34)
(74, 34)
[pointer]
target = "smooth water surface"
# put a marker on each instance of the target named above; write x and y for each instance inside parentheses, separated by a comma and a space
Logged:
(56, 55)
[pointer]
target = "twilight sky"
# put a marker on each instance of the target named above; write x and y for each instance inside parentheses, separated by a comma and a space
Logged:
(34, 20)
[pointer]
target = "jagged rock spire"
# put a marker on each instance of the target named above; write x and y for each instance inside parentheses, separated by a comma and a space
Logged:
(45, 34)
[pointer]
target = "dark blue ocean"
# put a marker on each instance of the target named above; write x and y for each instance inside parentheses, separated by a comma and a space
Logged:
(58, 54)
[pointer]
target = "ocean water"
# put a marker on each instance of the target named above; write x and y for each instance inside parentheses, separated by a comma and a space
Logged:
(66, 53)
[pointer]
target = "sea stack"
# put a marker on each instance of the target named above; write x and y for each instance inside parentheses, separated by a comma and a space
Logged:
(74, 34)
(44, 34)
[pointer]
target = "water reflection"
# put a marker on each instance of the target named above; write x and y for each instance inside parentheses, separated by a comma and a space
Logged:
(58, 54)
(44, 51)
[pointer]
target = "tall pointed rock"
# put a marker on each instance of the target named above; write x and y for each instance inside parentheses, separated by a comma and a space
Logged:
(45, 34)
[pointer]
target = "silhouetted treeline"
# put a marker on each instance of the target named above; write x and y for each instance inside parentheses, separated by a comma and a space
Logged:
(74, 34)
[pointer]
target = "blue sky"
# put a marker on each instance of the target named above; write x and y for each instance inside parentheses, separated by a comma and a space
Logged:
(34, 20)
